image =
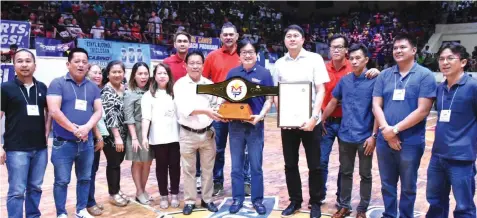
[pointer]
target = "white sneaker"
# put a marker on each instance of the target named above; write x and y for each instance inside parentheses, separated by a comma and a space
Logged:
(62, 216)
(83, 214)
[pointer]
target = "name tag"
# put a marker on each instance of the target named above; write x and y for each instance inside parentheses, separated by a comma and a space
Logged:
(445, 116)
(255, 80)
(399, 94)
(32, 110)
(80, 105)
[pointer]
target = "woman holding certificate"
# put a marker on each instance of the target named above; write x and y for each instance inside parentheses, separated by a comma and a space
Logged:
(250, 134)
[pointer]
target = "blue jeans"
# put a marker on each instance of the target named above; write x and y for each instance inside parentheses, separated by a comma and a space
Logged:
(327, 141)
(92, 185)
(63, 155)
(25, 177)
(246, 135)
(221, 132)
(442, 174)
(398, 165)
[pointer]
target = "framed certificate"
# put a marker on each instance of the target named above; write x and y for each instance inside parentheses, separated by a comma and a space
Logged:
(294, 104)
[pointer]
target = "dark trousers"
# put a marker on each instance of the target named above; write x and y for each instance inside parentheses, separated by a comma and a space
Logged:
(291, 139)
(347, 156)
(168, 159)
(92, 187)
(113, 169)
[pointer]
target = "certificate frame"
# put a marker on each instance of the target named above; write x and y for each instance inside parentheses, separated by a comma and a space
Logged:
(294, 108)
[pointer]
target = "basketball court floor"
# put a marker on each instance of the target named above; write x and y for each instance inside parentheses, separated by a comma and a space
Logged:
(274, 178)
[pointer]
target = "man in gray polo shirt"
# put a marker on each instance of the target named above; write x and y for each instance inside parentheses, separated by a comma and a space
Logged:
(75, 106)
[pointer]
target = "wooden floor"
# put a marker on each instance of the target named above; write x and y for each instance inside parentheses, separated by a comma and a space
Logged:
(274, 177)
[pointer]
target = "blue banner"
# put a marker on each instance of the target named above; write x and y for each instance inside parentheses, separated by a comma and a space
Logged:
(52, 47)
(272, 57)
(15, 32)
(100, 51)
(204, 44)
(159, 52)
(7, 72)
(261, 58)
(131, 53)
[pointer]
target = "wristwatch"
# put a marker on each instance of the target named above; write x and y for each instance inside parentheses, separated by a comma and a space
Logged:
(395, 130)
(375, 135)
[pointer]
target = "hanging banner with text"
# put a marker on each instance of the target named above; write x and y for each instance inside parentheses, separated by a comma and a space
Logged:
(52, 47)
(100, 52)
(15, 32)
(159, 52)
(7, 72)
(204, 44)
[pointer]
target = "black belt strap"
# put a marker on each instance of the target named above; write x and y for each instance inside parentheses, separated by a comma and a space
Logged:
(199, 131)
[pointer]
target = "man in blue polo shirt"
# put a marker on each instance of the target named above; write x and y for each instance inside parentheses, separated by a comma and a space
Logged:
(402, 98)
(75, 105)
(249, 135)
(27, 126)
(356, 132)
(455, 146)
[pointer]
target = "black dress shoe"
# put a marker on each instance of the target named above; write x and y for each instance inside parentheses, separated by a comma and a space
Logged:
(210, 206)
(292, 208)
(235, 207)
(260, 208)
(188, 208)
(315, 211)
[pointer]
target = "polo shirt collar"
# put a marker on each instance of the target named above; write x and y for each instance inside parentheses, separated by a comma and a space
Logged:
(461, 81)
(242, 69)
(303, 53)
(361, 76)
(20, 83)
(412, 70)
(177, 59)
(224, 50)
(190, 81)
(345, 64)
(68, 77)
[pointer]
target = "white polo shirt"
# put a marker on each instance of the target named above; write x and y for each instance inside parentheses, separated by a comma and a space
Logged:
(307, 67)
(187, 101)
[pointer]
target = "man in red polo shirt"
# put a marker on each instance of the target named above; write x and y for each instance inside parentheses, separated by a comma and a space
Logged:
(216, 67)
(338, 67)
(176, 61)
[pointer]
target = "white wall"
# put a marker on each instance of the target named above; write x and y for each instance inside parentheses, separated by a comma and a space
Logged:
(465, 32)
(467, 40)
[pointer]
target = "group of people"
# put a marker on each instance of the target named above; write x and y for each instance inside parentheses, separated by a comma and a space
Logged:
(163, 117)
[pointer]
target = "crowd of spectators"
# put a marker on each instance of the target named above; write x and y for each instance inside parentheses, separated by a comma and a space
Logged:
(156, 21)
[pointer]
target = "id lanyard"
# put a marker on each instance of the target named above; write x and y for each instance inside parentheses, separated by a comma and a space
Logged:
(36, 94)
(76, 96)
(395, 82)
(445, 114)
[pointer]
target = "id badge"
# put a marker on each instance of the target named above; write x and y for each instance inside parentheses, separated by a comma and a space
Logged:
(445, 116)
(32, 110)
(399, 94)
(80, 105)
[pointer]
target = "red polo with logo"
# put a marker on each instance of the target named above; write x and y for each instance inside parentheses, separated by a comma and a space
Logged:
(218, 64)
(335, 76)
(177, 65)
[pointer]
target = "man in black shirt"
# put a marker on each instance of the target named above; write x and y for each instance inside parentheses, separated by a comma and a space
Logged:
(27, 126)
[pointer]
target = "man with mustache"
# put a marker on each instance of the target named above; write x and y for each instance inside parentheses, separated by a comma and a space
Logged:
(27, 126)
(216, 67)
(75, 106)
(338, 67)
(402, 99)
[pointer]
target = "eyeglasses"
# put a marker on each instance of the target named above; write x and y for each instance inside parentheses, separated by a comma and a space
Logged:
(338, 48)
(245, 53)
(449, 59)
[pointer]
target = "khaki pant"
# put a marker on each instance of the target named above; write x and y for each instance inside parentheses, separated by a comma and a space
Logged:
(190, 143)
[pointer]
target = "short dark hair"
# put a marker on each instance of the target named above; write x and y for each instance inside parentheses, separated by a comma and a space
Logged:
(358, 46)
(13, 46)
(295, 27)
(244, 42)
(338, 36)
(108, 68)
(195, 52)
(132, 82)
(405, 36)
(154, 86)
(24, 50)
(76, 50)
(178, 33)
(228, 25)
(456, 49)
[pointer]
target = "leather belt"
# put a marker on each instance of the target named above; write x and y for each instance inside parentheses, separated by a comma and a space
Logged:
(68, 140)
(333, 119)
(199, 131)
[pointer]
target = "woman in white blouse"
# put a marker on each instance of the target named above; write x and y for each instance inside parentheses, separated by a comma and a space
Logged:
(159, 117)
